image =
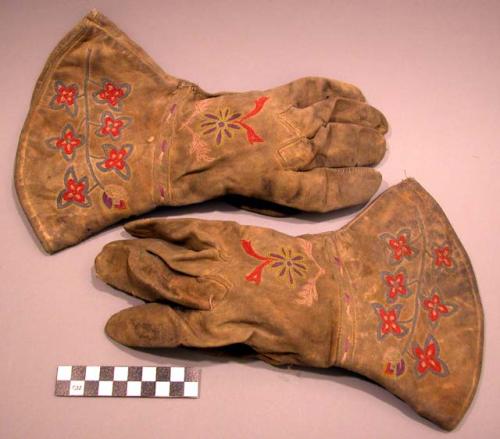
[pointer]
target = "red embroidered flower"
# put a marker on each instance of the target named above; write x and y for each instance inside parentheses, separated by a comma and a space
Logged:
(111, 126)
(68, 142)
(112, 93)
(116, 160)
(396, 283)
(443, 257)
(436, 307)
(428, 358)
(75, 190)
(388, 323)
(65, 97)
(400, 248)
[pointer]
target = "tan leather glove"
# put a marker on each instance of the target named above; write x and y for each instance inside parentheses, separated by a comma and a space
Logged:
(109, 135)
(392, 296)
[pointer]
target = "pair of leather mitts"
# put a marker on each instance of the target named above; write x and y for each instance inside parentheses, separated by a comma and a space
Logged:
(391, 296)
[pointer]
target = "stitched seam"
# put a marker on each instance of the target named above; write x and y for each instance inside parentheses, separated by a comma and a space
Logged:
(40, 89)
(475, 295)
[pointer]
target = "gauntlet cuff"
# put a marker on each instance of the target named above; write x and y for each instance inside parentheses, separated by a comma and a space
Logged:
(411, 317)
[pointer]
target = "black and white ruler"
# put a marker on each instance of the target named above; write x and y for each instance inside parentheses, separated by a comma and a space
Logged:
(128, 381)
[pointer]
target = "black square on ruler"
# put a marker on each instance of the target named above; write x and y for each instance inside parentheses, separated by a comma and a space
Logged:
(135, 373)
(176, 389)
(106, 373)
(163, 374)
(120, 388)
(78, 373)
(62, 388)
(192, 374)
(91, 388)
(148, 388)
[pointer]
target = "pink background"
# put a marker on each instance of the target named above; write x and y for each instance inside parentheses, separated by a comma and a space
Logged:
(432, 67)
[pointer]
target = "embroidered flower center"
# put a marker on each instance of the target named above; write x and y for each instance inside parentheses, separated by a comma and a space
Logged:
(435, 307)
(220, 124)
(74, 191)
(427, 358)
(443, 257)
(68, 142)
(116, 159)
(389, 322)
(111, 126)
(66, 95)
(400, 247)
(111, 94)
(397, 284)
(288, 264)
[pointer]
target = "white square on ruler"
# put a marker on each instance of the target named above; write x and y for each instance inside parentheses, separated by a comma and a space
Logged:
(63, 373)
(176, 374)
(105, 388)
(148, 373)
(121, 373)
(162, 388)
(92, 373)
(76, 388)
(191, 389)
(134, 388)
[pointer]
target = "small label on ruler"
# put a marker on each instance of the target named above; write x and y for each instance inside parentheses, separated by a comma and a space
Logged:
(137, 381)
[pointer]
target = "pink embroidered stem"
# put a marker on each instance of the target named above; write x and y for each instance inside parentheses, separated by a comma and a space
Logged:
(198, 147)
(309, 293)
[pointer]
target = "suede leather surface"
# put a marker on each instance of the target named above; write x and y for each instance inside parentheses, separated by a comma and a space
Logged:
(109, 134)
(391, 296)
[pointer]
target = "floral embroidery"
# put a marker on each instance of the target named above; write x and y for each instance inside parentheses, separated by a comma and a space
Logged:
(225, 123)
(288, 264)
(397, 368)
(255, 275)
(399, 246)
(111, 126)
(397, 283)
(285, 263)
(67, 142)
(75, 191)
(116, 160)
(112, 93)
(309, 293)
(402, 247)
(428, 358)
(443, 257)
(65, 98)
(220, 124)
(436, 308)
(388, 323)
(114, 196)
(252, 136)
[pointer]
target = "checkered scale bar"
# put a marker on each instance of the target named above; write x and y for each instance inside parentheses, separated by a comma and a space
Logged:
(138, 381)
